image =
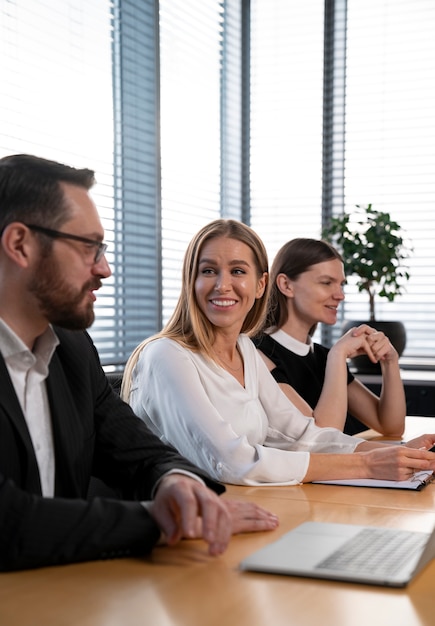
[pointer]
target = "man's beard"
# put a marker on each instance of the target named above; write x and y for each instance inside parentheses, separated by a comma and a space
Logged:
(61, 304)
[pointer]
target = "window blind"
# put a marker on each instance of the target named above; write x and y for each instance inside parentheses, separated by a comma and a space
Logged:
(334, 101)
(137, 277)
(90, 84)
(81, 83)
(190, 69)
(56, 102)
(390, 147)
(178, 149)
(286, 120)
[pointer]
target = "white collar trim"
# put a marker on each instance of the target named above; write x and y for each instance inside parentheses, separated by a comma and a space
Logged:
(298, 347)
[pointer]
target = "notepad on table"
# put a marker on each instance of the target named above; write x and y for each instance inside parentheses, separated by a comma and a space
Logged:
(416, 482)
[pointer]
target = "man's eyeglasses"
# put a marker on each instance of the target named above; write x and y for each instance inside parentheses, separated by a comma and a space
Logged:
(100, 248)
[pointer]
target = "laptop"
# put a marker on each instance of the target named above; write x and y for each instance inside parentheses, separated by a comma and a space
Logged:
(363, 554)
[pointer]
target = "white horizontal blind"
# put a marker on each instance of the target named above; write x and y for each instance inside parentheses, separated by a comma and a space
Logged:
(333, 148)
(234, 97)
(190, 67)
(286, 119)
(56, 100)
(390, 146)
(137, 174)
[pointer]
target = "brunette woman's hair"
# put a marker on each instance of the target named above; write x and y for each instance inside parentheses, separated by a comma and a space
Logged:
(293, 259)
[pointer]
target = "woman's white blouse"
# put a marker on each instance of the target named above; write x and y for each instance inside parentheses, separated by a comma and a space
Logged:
(242, 435)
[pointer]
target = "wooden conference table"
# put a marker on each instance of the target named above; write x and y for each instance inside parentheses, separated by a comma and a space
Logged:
(183, 586)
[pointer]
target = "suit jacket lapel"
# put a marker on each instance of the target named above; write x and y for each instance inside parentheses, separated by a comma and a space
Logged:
(12, 410)
(64, 420)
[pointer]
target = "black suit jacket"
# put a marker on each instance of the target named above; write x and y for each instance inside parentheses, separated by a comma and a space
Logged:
(95, 433)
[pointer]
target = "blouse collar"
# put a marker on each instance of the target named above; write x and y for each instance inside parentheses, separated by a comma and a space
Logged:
(298, 347)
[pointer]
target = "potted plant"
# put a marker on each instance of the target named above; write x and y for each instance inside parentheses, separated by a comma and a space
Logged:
(373, 248)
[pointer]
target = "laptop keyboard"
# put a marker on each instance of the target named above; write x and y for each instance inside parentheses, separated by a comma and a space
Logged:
(375, 550)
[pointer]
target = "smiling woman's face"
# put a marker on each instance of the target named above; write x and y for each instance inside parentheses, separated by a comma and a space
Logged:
(227, 282)
(316, 294)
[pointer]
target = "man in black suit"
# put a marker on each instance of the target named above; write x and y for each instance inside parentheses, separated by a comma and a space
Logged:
(60, 421)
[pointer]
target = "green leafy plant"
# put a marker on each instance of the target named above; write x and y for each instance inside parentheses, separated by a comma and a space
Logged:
(373, 248)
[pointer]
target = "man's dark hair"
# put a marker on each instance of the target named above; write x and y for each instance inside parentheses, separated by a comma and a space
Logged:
(30, 190)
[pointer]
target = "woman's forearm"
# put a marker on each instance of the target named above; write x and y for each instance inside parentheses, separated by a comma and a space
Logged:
(392, 401)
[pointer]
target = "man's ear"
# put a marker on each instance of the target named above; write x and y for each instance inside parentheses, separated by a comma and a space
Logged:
(18, 243)
(285, 285)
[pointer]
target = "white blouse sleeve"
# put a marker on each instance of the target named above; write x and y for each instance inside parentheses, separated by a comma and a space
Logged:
(167, 392)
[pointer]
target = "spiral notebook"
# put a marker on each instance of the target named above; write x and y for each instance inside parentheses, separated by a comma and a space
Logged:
(389, 557)
(416, 482)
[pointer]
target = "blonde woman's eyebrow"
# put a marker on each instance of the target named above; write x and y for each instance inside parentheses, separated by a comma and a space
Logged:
(240, 262)
(233, 262)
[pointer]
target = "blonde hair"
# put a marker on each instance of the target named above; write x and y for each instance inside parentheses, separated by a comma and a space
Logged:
(188, 325)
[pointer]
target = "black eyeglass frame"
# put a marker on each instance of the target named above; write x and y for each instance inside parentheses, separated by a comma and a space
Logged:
(58, 234)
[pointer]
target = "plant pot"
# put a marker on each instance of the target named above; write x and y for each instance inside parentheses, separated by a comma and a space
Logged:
(396, 333)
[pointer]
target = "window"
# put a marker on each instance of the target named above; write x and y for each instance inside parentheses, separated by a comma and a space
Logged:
(200, 80)
(378, 143)
(137, 271)
(123, 87)
(286, 120)
(173, 61)
(390, 146)
(190, 65)
(168, 101)
(56, 101)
